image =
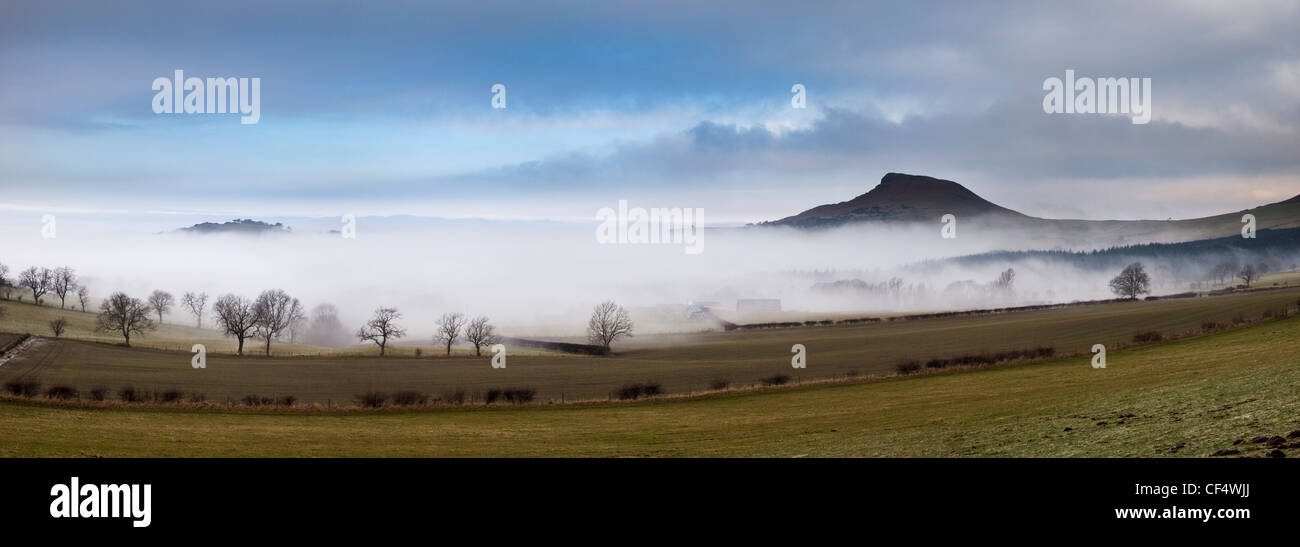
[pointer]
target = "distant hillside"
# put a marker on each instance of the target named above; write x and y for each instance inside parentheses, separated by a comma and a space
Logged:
(1277, 249)
(245, 226)
(909, 199)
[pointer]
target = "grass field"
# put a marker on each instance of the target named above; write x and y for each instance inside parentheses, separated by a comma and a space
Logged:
(681, 363)
(1189, 397)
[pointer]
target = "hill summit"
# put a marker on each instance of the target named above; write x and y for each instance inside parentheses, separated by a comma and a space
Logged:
(902, 198)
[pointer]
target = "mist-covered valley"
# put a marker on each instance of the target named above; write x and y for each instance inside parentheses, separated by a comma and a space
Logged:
(543, 278)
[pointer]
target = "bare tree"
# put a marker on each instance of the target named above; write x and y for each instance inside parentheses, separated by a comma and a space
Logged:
(5, 283)
(1006, 280)
(195, 304)
(382, 327)
(325, 328)
(449, 327)
(235, 316)
(57, 326)
(297, 324)
(62, 282)
(479, 333)
(37, 280)
(122, 314)
(274, 310)
(1131, 282)
(83, 296)
(609, 321)
(1223, 271)
(161, 302)
(1248, 274)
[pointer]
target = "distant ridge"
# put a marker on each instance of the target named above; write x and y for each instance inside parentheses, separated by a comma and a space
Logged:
(243, 226)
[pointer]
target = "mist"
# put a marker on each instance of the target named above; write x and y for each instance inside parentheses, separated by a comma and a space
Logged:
(543, 278)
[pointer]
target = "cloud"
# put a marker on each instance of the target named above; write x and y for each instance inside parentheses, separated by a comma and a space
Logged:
(367, 102)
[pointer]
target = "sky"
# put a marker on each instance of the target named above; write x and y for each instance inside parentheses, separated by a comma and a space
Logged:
(385, 108)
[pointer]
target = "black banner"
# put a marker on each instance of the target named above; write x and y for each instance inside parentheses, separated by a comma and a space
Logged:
(321, 497)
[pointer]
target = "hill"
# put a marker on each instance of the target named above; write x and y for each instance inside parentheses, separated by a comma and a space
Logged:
(902, 198)
(242, 226)
(1277, 250)
(908, 199)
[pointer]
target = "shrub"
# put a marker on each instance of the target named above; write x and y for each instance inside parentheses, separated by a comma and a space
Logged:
(1211, 325)
(1238, 319)
(286, 400)
(634, 391)
(520, 395)
(628, 392)
(936, 363)
(372, 399)
(907, 367)
(61, 392)
(128, 394)
(257, 400)
(408, 398)
(1148, 336)
(491, 396)
(418, 353)
(26, 388)
(719, 384)
(98, 393)
(776, 380)
(198, 398)
(172, 396)
(455, 397)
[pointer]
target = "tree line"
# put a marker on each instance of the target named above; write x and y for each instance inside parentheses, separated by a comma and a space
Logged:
(275, 315)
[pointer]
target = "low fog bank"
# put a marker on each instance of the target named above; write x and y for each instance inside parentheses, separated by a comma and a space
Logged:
(543, 278)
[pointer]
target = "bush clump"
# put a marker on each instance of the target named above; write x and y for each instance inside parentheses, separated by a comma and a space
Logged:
(372, 399)
(718, 385)
(23, 388)
(779, 379)
(172, 396)
(519, 395)
(937, 363)
(61, 392)
(409, 398)
(907, 366)
(636, 391)
(257, 400)
(98, 393)
(286, 400)
(1148, 336)
(128, 394)
(454, 397)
